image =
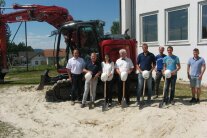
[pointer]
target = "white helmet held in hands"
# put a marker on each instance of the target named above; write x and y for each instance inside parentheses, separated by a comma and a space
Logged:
(167, 73)
(104, 77)
(145, 74)
(88, 76)
(124, 76)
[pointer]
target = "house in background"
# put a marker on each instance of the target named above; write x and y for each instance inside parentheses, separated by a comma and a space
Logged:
(178, 23)
(37, 59)
(50, 55)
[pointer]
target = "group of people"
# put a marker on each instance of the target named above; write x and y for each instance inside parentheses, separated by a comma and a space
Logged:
(146, 61)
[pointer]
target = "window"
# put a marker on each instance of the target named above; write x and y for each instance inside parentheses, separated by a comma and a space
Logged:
(149, 28)
(36, 62)
(177, 25)
(203, 23)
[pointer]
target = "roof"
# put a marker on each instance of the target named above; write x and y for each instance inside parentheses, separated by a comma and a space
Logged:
(49, 53)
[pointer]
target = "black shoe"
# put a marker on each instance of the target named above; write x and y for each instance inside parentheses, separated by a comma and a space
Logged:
(172, 102)
(72, 102)
(110, 104)
(193, 100)
(197, 100)
(83, 105)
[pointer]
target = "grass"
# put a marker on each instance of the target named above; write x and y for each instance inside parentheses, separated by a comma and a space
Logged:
(20, 75)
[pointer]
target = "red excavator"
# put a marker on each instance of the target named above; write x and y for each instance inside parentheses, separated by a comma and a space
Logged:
(87, 36)
(54, 15)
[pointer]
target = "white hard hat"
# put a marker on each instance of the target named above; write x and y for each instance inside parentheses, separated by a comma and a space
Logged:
(124, 76)
(145, 74)
(88, 76)
(104, 77)
(167, 73)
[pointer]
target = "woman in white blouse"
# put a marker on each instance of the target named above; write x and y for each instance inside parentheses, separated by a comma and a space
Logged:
(108, 68)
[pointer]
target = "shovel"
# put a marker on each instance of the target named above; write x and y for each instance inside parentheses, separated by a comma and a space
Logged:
(143, 94)
(162, 102)
(105, 105)
(123, 102)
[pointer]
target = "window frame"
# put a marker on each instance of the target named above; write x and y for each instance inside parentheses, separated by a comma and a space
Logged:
(152, 43)
(201, 41)
(177, 42)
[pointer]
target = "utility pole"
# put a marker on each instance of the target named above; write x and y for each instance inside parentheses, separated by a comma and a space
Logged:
(26, 43)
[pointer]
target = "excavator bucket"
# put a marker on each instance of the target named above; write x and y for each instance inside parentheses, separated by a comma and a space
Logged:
(44, 79)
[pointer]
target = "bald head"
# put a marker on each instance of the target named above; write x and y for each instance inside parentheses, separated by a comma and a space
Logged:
(161, 50)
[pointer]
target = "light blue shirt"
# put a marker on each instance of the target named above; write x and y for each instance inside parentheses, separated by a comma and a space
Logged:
(196, 65)
(171, 62)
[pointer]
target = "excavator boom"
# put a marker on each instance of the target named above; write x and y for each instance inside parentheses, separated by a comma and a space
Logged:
(53, 15)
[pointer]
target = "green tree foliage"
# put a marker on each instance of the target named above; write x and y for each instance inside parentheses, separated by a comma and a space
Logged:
(115, 28)
(14, 48)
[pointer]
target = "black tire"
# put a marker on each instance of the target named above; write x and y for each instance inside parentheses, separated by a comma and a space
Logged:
(62, 90)
(2, 75)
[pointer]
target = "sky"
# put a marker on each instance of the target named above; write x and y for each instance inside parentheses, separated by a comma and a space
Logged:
(106, 10)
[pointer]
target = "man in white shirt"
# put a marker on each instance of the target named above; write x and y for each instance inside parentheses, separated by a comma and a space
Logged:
(75, 67)
(123, 64)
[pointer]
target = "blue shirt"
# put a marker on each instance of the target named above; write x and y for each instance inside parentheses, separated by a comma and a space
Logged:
(159, 61)
(171, 62)
(94, 68)
(145, 61)
(196, 65)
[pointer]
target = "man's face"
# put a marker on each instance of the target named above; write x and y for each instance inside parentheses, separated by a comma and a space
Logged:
(169, 51)
(93, 57)
(76, 53)
(145, 48)
(195, 54)
(123, 54)
(161, 50)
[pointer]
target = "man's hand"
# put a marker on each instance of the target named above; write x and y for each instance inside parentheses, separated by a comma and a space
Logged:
(109, 75)
(70, 79)
(96, 76)
(200, 77)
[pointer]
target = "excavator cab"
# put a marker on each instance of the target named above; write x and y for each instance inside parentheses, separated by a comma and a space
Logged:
(84, 36)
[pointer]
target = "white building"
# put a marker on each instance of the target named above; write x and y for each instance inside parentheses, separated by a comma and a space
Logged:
(178, 23)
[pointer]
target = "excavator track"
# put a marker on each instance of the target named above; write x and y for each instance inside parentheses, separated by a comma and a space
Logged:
(60, 91)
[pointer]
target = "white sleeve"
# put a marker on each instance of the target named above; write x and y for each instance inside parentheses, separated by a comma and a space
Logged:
(102, 66)
(116, 64)
(131, 65)
(112, 67)
(68, 66)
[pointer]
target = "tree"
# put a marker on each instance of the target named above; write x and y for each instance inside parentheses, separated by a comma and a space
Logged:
(115, 28)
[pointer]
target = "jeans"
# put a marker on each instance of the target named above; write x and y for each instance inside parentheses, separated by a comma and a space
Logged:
(76, 86)
(171, 81)
(141, 84)
(158, 78)
(91, 85)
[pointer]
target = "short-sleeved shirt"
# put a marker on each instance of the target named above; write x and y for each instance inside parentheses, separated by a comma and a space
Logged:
(171, 62)
(196, 65)
(124, 64)
(159, 61)
(93, 67)
(145, 61)
(75, 65)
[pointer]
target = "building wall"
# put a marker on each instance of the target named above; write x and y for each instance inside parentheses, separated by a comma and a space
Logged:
(40, 59)
(183, 51)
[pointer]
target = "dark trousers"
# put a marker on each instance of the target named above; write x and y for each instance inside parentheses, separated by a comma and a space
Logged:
(120, 90)
(109, 90)
(158, 78)
(170, 82)
(76, 86)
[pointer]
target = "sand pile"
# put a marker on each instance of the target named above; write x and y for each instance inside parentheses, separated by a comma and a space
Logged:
(27, 110)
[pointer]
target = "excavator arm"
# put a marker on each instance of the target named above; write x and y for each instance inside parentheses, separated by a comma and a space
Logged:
(53, 15)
